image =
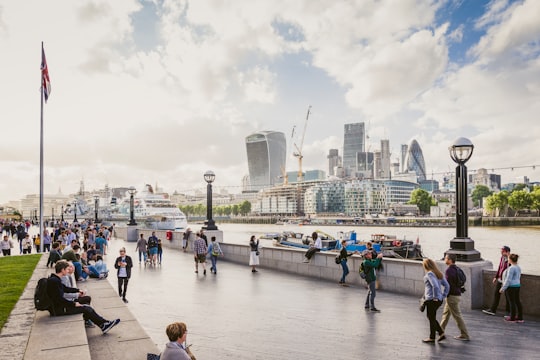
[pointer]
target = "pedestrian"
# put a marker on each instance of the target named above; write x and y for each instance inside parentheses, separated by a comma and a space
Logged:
(451, 307)
(185, 239)
(26, 245)
(369, 264)
(254, 253)
(315, 247)
(199, 253)
(101, 244)
(433, 297)
(215, 251)
(141, 248)
(47, 241)
(176, 349)
(343, 255)
(203, 236)
(153, 247)
(159, 251)
(512, 285)
(61, 306)
(123, 264)
(6, 245)
(497, 281)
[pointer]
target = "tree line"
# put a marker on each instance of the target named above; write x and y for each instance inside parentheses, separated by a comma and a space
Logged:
(244, 208)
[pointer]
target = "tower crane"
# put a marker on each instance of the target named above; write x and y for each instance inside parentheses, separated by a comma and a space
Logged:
(298, 152)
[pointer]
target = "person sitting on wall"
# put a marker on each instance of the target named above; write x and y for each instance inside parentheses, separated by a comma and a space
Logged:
(315, 247)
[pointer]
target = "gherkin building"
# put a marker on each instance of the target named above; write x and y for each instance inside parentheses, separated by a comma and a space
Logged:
(415, 161)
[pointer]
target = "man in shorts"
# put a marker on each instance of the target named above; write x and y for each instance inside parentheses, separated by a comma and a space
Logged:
(199, 253)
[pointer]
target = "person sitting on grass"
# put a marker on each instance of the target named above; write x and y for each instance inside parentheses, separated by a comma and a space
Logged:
(61, 306)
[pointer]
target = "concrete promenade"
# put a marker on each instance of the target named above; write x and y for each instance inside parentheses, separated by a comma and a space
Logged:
(237, 314)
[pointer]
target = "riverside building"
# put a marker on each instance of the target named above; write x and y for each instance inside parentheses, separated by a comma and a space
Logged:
(266, 155)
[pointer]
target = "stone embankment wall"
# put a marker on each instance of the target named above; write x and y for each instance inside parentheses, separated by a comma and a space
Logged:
(400, 276)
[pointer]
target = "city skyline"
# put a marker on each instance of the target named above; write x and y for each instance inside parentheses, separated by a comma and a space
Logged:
(160, 92)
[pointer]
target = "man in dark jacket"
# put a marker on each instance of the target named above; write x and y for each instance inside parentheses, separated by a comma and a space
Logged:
(61, 306)
(123, 264)
(370, 265)
(451, 307)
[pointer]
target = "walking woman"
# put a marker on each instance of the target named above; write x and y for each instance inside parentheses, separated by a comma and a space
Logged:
(254, 254)
(123, 264)
(512, 285)
(343, 254)
(433, 297)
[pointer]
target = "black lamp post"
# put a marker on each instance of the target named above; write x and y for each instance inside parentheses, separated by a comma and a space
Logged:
(62, 213)
(462, 246)
(75, 211)
(132, 192)
(96, 208)
(52, 215)
(209, 177)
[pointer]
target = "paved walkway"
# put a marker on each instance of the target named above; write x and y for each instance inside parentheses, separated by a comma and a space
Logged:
(272, 315)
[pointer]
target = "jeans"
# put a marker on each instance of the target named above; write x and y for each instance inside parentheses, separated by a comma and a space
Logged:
(79, 273)
(431, 313)
(88, 314)
(370, 297)
(515, 303)
(122, 281)
(143, 253)
(345, 269)
(497, 298)
(451, 308)
(213, 259)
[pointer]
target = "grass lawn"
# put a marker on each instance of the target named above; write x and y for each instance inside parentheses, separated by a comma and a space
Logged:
(15, 271)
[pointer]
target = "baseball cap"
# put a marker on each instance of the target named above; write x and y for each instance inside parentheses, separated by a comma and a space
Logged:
(505, 248)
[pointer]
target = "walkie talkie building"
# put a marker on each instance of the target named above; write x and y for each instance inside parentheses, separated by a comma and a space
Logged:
(266, 155)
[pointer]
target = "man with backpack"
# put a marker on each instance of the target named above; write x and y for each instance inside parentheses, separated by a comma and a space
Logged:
(61, 306)
(456, 279)
(153, 247)
(369, 265)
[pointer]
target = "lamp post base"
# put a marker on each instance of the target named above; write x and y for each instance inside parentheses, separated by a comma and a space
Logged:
(132, 222)
(464, 250)
(210, 225)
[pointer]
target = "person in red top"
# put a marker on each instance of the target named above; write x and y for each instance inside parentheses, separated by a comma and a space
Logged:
(497, 280)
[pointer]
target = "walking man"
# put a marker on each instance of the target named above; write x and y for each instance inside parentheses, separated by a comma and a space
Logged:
(199, 252)
(123, 264)
(497, 280)
(451, 307)
(141, 247)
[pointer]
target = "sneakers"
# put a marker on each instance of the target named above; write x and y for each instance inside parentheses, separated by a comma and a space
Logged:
(125, 300)
(509, 319)
(442, 337)
(429, 340)
(489, 312)
(89, 324)
(375, 310)
(108, 325)
(520, 321)
(462, 338)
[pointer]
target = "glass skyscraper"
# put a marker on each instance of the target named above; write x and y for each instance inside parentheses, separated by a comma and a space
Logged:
(266, 154)
(353, 143)
(415, 161)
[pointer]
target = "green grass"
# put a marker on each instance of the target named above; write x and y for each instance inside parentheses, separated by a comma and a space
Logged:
(15, 271)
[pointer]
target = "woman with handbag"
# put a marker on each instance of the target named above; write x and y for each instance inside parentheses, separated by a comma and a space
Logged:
(433, 297)
(254, 253)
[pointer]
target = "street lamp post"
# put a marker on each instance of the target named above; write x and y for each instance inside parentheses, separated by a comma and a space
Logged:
(209, 177)
(62, 213)
(132, 192)
(75, 211)
(96, 208)
(462, 246)
(52, 215)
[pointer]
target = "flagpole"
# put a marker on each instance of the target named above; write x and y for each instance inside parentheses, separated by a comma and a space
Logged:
(41, 93)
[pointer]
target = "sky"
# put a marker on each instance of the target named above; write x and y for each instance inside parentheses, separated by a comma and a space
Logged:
(159, 92)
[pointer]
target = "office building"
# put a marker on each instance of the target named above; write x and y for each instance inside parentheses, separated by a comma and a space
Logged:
(266, 154)
(415, 161)
(353, 143)
(333, 161)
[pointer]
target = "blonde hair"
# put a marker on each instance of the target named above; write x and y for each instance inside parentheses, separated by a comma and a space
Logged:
(176, 330)
(429, 265)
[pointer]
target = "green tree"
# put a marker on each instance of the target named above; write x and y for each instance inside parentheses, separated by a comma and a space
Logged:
(245, 207)
(422, 199)
(535, 200)
(497, 203)
(479, 193)
(519, 200)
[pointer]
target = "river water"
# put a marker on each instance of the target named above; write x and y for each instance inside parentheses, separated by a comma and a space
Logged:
(434, 240)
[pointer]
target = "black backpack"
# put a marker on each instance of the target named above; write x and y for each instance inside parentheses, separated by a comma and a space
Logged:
(152, 242)
(462, 279)
(41, 298)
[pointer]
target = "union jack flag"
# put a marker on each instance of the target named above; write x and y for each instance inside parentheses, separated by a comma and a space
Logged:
(45, 81)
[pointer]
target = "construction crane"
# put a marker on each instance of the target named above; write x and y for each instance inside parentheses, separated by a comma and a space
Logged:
(298, 152)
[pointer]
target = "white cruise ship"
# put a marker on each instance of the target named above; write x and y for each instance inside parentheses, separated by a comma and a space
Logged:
(156, 210)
